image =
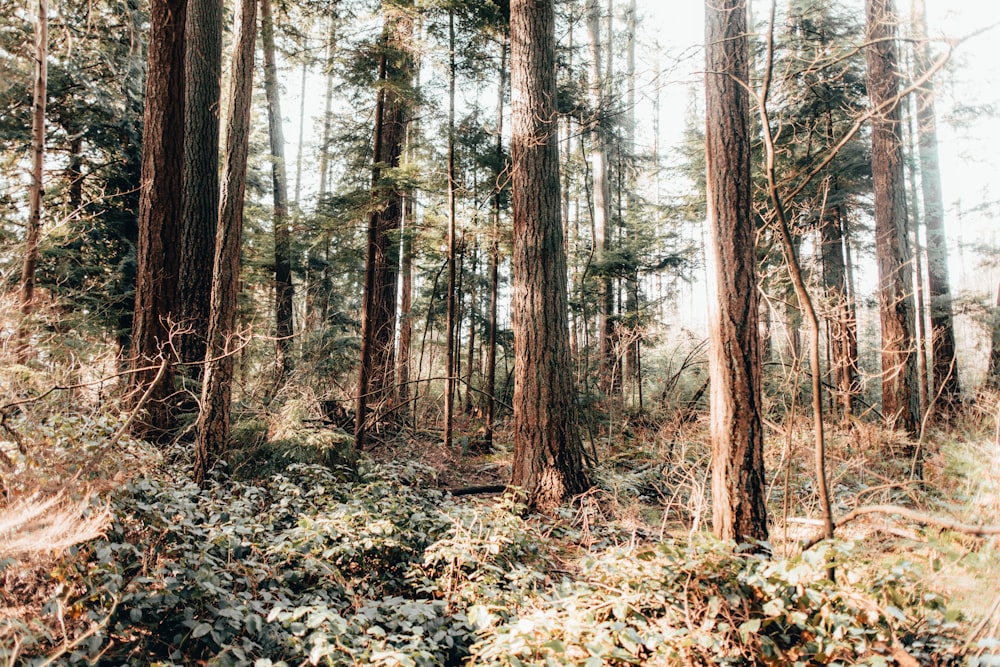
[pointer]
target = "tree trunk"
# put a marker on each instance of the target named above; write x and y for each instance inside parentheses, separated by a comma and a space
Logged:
(203, 70)
(499, 174)
(548, 455)
(899, 396)
(602, 199)
(449, 394)
(913, 224)
(324, 149)
(283, 289)
(944, 369)
(159, 242)
(633, 360)
(378, 317)
(212, 431)
(739, 510)
(27, 299)
(470, 357)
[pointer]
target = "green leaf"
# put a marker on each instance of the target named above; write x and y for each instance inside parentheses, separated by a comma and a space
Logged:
(201, 630)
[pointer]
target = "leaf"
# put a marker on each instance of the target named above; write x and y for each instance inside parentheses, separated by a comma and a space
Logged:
(201, 630)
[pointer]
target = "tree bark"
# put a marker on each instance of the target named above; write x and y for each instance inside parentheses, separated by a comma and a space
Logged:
(548, 455)
(449, 394)
(212, 430)
(203, 71)
(283, 288)
(944, 367)
(899, 395)
(498, 183)
(376, 375)
(159, 242)
(30, 263)
(739, 510)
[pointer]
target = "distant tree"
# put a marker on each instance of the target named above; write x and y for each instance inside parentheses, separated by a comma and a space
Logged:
(203, 71)
(283, 289)
(944, 368)
(899, 391)
(548, 455)
(41, 58)
(212, 429)
(159, 242)
(739, 510)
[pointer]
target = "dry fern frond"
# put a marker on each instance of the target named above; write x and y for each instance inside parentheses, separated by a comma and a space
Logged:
(37, 525)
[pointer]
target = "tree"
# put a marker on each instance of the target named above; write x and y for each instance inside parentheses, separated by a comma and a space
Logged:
(451, 368)
(212, 430)
(944, 368)
(548, 455)
(899, 396)
(203, 70)
(159, 242)
(378, 315)
(283, 289)
(600, 173)
(739, 510)
(37, 159)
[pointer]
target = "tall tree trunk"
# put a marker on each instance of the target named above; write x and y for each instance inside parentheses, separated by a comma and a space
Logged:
(377, 372)
(548, 455)
(203, 72)
(283, 289)
(633, 350)
(324, 149)
(498, 185)
(449, 394)
(913, 223)
(899, 395)
(470, 358)
(739, 510)
(37, 158)
(212, 431)
(944, 365)
(158, 248)
(302, 126)
(602, 198)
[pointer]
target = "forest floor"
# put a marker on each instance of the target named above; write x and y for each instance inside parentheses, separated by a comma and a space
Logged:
(396, 564)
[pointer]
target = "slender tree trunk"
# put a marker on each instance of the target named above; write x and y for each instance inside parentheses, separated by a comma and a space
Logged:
(449, 394)
(470, 355)
(27, 299)
(945, 366)
(283, 289)
(203, 72)
(913, 223)
(795, 272)
(406, 292)
(212, 431)
(498, 186)
(602, 198)
(739, 510)
(548, 455)
(633, 351)
(302, 125)
(159, 242)
(324, 149)
(899, 396)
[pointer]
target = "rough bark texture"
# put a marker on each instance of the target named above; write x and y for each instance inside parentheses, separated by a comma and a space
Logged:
(37, 157)
(203, 64)
(159, 242)
(739, 511)
(944, 367)
(283, 289)
(899, 393)
(212, 430)
(378, 317)
(548, 455)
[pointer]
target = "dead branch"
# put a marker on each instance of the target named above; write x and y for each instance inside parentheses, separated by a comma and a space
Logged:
(912, 515)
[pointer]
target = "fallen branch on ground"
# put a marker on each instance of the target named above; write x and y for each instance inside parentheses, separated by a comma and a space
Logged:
(912, 515)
